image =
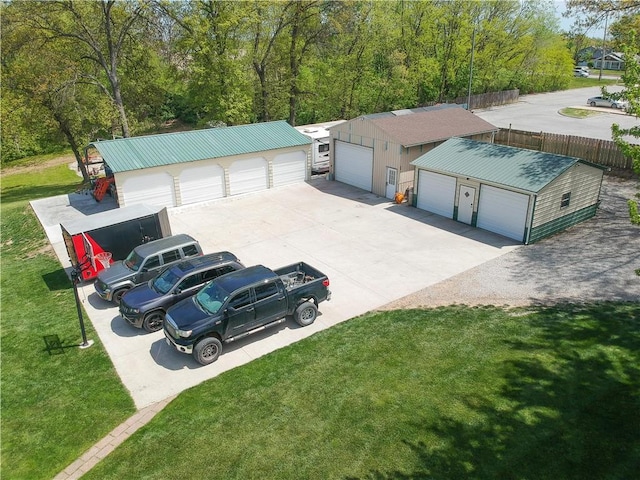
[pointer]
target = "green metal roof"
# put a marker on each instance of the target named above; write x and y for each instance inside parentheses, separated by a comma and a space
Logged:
(526, 170)
(136, 153)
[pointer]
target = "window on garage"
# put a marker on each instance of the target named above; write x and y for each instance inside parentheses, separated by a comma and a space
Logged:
(566, 199)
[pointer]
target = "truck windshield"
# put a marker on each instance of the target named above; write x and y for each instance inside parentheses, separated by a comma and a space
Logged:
(211, 298)
(133, 261)
(165, 281)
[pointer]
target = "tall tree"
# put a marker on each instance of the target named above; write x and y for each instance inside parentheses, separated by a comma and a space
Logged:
(101, 32)
(209, 60)
(42, 73)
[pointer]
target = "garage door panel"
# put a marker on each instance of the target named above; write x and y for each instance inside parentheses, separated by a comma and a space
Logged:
(289, 168)
(200, 184)
(436, 193)
(354, 165)
(248, 176)
(503, 212)
(151, 188)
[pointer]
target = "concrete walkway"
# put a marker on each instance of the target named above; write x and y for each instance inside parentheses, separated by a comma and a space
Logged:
(109, 443)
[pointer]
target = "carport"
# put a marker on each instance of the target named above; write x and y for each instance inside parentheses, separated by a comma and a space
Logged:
(522, 194)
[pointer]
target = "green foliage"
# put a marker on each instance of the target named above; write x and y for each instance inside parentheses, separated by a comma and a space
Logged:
(54, 407)
(445, 393)
(631, 92)
(210, 63)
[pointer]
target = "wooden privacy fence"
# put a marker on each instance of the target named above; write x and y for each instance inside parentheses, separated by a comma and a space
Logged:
(491, 99)
(602, 152)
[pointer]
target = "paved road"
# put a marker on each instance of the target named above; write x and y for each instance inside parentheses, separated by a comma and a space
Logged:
(541, 113)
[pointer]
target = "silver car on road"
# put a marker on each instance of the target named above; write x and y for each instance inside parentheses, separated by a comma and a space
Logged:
(607, 102)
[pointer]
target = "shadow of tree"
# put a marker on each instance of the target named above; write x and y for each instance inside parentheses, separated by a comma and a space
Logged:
(569, 407)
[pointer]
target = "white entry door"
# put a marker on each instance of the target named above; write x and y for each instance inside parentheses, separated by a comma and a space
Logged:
(392, 182)
(466, 198)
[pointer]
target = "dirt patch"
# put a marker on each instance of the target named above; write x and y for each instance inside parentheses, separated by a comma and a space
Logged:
(37, 165)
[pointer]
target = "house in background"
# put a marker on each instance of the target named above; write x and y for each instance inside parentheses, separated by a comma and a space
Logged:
(181, 168)
(612, 61)
(521, 194)
(374, 152)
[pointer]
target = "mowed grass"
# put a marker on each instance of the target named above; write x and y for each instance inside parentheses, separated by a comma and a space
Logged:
(475, 393)
(54, 407)
(448, 393)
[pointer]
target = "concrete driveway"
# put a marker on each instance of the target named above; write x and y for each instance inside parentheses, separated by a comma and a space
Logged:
(373, 251)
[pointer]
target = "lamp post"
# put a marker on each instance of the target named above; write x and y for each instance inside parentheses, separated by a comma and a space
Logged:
(75, 279)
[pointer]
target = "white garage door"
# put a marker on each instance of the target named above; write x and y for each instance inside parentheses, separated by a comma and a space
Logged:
(503, 212)
(152, 188)
(289, 168)
(248, 176)
(354, 165)
(436, 193)
(200, 184)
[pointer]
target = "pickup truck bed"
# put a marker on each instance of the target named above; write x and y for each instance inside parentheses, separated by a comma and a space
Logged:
(298, 274)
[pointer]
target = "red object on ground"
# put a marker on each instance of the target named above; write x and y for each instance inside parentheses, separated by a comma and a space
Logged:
(102, 185)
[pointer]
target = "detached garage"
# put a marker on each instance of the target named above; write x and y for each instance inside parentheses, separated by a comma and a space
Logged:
(521, 194)
(374, 152)
(189, 167)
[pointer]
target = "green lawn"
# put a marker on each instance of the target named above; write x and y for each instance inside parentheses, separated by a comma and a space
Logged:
(442, 394)
(592, 81)
(448, 393)
(53, 407)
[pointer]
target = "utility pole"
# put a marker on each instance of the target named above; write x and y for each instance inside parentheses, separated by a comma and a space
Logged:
(473, 47)
(604, 38)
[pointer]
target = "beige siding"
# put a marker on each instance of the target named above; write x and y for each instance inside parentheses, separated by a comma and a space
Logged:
(386, 153)
(225, 162)
(582, 181)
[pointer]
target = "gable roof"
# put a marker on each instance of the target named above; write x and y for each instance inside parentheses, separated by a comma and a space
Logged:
(526, 170)
(136, 153)
(410, 127)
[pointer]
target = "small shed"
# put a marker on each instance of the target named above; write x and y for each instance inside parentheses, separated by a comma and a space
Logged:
(374, 152)
(189, 167)
(521, 194)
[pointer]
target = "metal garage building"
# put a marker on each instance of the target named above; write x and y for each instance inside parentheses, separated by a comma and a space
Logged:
(522, 194)
(374, 152)
(188, 167)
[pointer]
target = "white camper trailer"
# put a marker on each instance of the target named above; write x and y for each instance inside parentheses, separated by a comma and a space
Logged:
(319, 133)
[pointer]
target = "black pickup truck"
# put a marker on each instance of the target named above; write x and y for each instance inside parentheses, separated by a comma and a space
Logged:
(241, 303)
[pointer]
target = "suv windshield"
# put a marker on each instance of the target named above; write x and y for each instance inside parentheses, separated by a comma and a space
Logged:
(133, 261)
(211, 298)
(165, 281)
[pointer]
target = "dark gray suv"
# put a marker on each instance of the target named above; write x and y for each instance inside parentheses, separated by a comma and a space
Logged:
(144, 306)
(143, 263)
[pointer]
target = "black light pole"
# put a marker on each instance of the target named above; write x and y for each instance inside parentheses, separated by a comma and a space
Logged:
(75, 279)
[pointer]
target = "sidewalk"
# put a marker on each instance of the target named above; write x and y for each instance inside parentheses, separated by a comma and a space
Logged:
(109, 443)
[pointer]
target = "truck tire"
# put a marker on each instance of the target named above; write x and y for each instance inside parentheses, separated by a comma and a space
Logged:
(207, 350)
(117, 295)
(153, 321)
(305, 314)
